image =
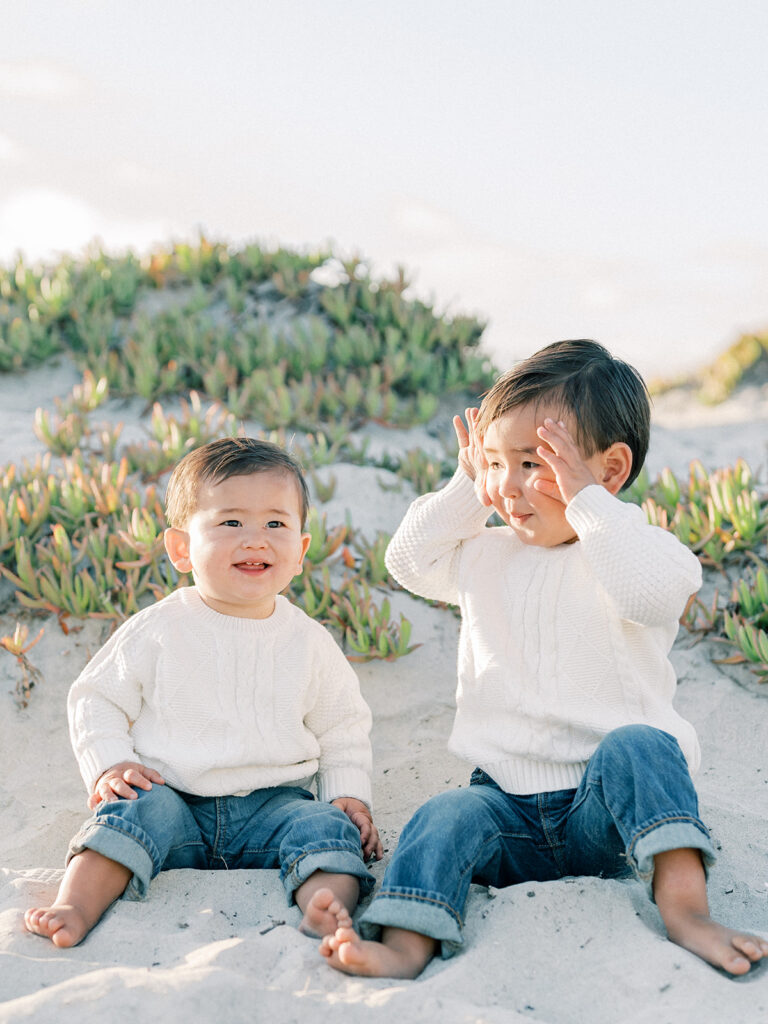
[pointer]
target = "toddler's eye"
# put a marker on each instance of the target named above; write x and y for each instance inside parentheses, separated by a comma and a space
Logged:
(494, 465)
(231, 522)
(530, 465)
(273, 524)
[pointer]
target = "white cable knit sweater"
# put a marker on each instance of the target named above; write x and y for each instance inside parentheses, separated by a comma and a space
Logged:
(558, 646)
(221, 705)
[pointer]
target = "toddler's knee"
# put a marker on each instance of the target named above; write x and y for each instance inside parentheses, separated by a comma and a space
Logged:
(638, 741)
(159, 806)
(457, 811)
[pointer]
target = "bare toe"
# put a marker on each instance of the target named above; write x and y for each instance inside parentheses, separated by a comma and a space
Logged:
(324, 914)
(754, 949)
(65, 926)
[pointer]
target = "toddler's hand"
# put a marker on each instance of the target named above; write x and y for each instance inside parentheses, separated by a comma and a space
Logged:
(360, 816)
(471, 455)
(119, 781)
(562, 455)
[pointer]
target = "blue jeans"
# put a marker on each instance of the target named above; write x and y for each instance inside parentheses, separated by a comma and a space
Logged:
(635, 800)
(284, 828)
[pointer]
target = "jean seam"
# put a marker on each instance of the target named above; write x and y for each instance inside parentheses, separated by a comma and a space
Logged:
(219, 811)
(555, 847)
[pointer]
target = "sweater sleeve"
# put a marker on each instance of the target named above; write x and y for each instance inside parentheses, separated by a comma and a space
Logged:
(425, 551)
(103, 702)
(647, 572)
(341, 721)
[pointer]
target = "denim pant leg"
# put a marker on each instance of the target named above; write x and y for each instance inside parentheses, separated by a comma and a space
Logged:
(636, 799)
(282, 827)
(145, 835)
(479, 834)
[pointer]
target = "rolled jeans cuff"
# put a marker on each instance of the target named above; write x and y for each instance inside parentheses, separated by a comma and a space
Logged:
(336, 860)
(680, 834)
(416, 911)
(112, 841)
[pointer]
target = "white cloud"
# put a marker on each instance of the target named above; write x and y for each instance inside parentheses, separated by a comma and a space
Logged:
(426, 225)
(38, 80)
(10, 150)
(134, 174)
(42, 222)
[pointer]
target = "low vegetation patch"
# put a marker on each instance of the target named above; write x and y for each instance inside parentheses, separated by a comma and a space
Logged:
(311, 349)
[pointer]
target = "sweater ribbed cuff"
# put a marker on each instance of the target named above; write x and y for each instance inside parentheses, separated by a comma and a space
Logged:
(336, 782)
(465, 504)
(94, 761)
(592, 507)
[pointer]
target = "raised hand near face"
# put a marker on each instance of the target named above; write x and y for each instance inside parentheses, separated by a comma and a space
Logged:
(561, 453)
(471, 455)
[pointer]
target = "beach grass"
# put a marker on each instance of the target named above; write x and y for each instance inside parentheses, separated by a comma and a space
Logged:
(310, 349)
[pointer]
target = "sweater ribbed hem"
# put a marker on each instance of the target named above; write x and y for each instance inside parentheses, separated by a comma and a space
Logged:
(523, 777)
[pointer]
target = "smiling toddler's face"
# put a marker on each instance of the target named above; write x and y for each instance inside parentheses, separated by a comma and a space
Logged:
(245, 542)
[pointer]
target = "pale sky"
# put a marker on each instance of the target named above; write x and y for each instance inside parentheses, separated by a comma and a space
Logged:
(562, 169)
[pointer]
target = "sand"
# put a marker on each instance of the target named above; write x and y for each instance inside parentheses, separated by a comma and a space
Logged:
(216, 946)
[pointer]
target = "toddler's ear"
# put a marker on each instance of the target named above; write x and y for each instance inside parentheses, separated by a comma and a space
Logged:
(616, 466)
(177, 547)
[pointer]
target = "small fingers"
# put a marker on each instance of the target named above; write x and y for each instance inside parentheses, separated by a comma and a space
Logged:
(118, 788)
(372, 846)
(110, 789)
(462, 434)
(369, 836)
(132, 777)
(555, 434)
(548, 487)
(472, 415)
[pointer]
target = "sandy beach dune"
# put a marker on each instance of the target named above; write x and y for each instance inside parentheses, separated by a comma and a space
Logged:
(222, 946)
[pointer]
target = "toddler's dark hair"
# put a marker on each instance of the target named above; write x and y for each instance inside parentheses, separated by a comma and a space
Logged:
(221, 459)
(606, 397)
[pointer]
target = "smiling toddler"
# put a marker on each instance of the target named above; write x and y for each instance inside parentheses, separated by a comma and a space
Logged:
(201, 724)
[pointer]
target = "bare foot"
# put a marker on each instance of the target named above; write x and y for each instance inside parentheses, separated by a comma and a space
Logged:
(734, 951)
(680, 890)
(324, 914)
(64, 925)
(90, 885)
(401, 954)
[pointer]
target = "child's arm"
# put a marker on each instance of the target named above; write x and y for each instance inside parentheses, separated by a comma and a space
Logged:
(649, 574)
(341, 722)
(424, 553)
(102, 702)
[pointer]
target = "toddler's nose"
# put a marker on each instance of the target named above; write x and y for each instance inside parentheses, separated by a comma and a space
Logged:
(509, 487)
(254, 539)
